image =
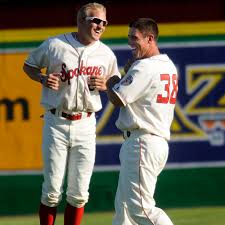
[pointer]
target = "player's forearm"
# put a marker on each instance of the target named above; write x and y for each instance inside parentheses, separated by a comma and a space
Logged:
(112, 96)
(112, 81)
(33, 73)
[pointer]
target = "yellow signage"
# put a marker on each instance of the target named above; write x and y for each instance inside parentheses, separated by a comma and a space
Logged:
(19, 116)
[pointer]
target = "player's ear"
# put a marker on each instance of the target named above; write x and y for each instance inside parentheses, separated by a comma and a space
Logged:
(150, 38)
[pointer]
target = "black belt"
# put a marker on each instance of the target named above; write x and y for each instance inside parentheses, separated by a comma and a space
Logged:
(127, 133)
(77, 116)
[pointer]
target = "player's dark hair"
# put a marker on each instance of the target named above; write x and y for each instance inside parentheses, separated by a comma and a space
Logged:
(146, 26)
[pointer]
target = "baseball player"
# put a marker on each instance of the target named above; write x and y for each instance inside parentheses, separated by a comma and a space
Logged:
(147, 96)
(77, 67)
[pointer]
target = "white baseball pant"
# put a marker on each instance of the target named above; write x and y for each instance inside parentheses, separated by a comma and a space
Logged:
(68, 148)
(142, 156)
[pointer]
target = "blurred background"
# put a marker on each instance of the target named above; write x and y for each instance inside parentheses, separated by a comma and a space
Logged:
(192, 33)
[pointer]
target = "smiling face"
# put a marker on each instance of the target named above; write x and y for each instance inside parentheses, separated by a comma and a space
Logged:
(140, 44)
(92, 26)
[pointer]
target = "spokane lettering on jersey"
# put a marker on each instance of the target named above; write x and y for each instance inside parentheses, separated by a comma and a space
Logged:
(83, 70)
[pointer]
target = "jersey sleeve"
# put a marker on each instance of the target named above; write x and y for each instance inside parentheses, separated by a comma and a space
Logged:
(134, 84)
(113, 70)
(38, 58)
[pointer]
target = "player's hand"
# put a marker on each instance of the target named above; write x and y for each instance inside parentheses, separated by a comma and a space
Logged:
(128, 65)
(52, 81)
(97, 82)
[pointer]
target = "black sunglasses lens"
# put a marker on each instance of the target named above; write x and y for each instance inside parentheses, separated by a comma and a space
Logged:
(98, 21)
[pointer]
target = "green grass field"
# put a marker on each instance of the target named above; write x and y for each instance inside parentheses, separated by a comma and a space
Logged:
(184, 216)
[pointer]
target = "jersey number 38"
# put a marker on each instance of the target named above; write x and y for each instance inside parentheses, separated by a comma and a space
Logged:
(170, 94)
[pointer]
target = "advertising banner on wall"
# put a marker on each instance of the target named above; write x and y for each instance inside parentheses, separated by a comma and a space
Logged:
(198, 129)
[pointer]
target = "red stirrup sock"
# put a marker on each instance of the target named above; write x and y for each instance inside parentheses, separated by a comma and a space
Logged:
(73, 215)
(47, 215)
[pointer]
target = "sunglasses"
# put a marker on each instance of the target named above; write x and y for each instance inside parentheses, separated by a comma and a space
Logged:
(96, 20)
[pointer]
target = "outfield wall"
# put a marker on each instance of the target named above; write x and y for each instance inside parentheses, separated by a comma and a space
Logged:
(194, 173)
(175, 188)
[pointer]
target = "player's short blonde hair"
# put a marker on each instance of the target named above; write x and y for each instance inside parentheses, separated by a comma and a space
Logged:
(84, 10)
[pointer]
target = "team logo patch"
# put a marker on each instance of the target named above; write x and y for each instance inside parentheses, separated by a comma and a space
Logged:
(127, 81)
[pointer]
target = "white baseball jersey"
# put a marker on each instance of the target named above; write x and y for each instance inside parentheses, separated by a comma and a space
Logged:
(148, 91)
(76, 63)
